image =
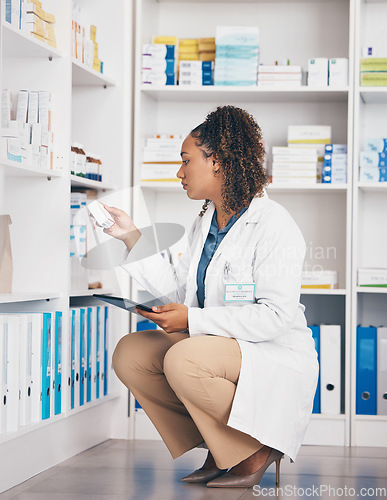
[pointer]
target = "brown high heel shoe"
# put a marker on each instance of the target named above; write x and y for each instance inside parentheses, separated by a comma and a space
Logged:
(230, 480)
(203, 475)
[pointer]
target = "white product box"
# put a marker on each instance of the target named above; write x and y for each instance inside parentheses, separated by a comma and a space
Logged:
(45, 109)
(319, 279)
(308, 154)
(155, 156)
(286, 70)
(373, 159)
(237, 36)
(318, 72)
(14, 150)
(22, 106)
(154, 172)
(33, 107)
(319, 134)
(336, 148)
(378, 145)
(372, 174)
(338, 72)
(372, 276)
(279, 83)
(6, 106)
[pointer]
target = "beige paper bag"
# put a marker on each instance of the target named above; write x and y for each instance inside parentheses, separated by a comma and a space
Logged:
(5, 255)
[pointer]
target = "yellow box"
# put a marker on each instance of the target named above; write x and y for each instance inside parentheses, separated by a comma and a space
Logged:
(207, 47)
(97, 65)
(36, 2)
(188, 57)
(207, 56)
(35, 9)
(207, 40)
(38, 36)
(49, 18)
(188, 50)
(188, 42)
(95, 50)
(165, 40)
(93, 33)
(52, 43)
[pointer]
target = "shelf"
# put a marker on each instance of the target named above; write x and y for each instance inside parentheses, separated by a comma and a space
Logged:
(371, 289)
(322, 416)
(295, 188)
(89, 293)
(14, 169)
(253, 1)
(372, 418)
(10, 298)
(315, 188)
(372, 186)
(374, 95)
(323, 291)
(18, 44)
(245, 94)
(84, 76)
(8, 436)
(88, 183)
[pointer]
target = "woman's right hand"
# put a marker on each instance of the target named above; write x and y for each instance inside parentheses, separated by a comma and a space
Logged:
(123, 228)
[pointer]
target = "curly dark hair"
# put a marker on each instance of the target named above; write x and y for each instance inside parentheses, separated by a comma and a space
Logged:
(234, 138)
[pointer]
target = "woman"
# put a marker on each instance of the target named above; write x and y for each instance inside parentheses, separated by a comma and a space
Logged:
(234, 367)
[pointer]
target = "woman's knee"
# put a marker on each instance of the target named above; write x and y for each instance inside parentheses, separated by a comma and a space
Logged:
(179, 364)
(130, 352)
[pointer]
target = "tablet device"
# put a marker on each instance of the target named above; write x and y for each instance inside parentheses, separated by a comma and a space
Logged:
(127, 304)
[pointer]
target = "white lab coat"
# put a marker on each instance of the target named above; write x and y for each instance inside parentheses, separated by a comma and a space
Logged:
(279, 371)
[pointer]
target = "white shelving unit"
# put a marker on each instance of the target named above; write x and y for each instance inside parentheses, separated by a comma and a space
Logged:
(369, 208)
(94, 109)
(324, 213)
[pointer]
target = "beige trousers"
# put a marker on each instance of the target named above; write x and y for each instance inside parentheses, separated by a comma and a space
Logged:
(186, 387)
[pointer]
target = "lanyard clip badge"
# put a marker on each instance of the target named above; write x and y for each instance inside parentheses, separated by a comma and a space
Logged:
(226, 269)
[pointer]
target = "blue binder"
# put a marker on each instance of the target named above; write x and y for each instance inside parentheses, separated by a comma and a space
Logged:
(98, 334)
(46, 365)
(366, 370)
(58, 363)
(72, 357)
(105, 348)
(82, 365)
(88, 352)
(317, 397)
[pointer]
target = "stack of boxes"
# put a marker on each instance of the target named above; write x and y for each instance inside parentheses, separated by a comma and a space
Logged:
(311, 137)
(158, 64)
(334, 170)
(319, 278)
(31, 18)
(373, 161)
(195, 73)
(78, 224)
(279, 75)
(237, 55)
(207, 49)
(323, 72)
(373, 72)
(161, 159)
(294, 165)
(84, 41)
(29, 139)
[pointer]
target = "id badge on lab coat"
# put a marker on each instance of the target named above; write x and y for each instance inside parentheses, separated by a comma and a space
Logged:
(239, 292)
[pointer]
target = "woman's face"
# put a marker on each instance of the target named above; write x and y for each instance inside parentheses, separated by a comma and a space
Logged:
(197, 172)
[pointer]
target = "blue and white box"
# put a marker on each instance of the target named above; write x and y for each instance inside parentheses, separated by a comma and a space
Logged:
(373, 159)
(378, 145)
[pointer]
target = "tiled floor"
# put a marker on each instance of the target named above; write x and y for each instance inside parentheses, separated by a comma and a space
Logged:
(144, 470)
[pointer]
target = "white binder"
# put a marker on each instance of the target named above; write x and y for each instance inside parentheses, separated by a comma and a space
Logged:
(25, 370)
(3, 373)
(381, 380)
(330, 369)
(13, 370)
(36, 367)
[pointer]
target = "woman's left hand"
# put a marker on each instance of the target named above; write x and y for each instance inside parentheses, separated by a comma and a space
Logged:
(170, 317)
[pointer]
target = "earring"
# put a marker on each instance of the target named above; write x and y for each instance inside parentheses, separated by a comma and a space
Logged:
(216, 172)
